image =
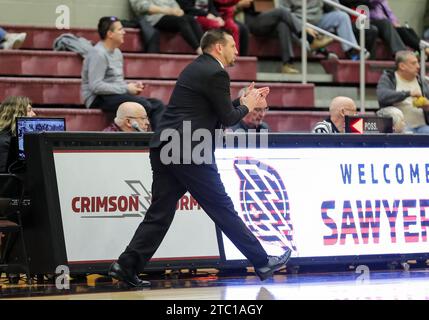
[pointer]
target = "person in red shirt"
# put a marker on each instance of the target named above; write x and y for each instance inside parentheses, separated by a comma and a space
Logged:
(226, 9)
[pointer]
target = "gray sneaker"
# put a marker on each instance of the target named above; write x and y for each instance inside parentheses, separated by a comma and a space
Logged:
(274, 264)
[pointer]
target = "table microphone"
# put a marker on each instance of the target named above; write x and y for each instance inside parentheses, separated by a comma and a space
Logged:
(136, 127)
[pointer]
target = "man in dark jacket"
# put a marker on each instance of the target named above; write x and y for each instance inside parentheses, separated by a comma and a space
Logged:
(202, 97)
(404, 89)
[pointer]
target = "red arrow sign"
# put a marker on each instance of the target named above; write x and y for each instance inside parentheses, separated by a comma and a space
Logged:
(357, 126)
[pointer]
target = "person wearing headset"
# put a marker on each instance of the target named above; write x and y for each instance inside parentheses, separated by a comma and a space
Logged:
(130, 117)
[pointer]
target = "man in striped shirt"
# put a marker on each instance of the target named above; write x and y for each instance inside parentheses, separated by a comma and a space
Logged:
(340, 108)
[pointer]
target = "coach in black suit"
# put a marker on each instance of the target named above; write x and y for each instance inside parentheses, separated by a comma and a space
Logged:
(201, 96)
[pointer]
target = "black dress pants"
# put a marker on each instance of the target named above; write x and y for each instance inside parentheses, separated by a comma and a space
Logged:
(150, 36)
(280, 21)
(170, 183)
(188, 27)
(409, 37)
(371, 36)
(389, 34)
(244, 38)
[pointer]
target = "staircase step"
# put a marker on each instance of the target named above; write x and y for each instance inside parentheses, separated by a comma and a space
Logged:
(67, 91)
(294, 121)
(347, 71)
(145, 66)
(325, 94)
(43, 38)
(79, 119)
(281, 77)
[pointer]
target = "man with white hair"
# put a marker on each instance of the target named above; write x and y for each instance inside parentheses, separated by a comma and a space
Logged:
(254, 120)
(340, 108)
(397, 118)
(130, 117)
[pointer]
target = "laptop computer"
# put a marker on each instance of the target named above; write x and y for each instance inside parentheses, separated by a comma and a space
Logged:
(34, 124)
(368, 124)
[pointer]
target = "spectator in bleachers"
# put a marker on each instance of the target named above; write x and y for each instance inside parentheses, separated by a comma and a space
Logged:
(397, 116)
(166, 15)
(10, 40)
(103, 83)
(239, 31)
(281, 22)
(150, 36)
(254, 119)
(11, 108)
(334, 21)
(382, 28)
(204, 12)
(404, 89)
(380, 10)
(130, 117)
(207, 14)
(339, 108)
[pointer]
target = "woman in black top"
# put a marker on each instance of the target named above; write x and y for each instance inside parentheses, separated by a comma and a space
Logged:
(10, 109)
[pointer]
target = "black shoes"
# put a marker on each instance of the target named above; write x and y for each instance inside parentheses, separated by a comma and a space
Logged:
(274, 264)
(118, 272)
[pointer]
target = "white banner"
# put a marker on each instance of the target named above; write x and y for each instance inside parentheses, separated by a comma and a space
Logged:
(104, 196)
(330, 201)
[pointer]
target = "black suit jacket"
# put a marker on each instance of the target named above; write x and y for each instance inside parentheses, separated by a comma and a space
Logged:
(202, 96)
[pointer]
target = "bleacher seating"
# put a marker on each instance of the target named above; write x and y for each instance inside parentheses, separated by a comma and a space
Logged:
(294, 121)
(148, 66)
(79, 119)
(57, 91)
(52, 79)
(95, 119)
(42, 38)
(347, 71)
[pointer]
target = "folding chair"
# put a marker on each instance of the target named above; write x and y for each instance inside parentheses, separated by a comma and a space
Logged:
(11, 203)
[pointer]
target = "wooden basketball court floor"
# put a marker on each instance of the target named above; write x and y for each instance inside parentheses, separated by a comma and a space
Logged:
(210, 285)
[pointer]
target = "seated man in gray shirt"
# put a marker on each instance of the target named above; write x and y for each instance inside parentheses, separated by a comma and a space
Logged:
(103, 84)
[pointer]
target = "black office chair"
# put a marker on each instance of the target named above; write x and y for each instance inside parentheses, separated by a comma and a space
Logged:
(11, 204)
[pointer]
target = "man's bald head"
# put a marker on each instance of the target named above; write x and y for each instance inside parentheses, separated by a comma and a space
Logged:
(130, 115)
(339, 108)
(339, 103)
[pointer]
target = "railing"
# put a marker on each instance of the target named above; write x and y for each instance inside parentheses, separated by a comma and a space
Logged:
(423, 46)
(362, 19)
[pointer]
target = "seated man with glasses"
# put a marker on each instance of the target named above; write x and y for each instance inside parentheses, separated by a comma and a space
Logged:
(340, 108)
(254, 119)
(130, 117)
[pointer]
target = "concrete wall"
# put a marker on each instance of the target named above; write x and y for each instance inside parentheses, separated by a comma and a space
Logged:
(85, 13)
(411, 11)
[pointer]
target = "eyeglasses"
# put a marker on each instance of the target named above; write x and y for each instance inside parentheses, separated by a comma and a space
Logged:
(348, 112)
(263, 110)
(141, 118)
